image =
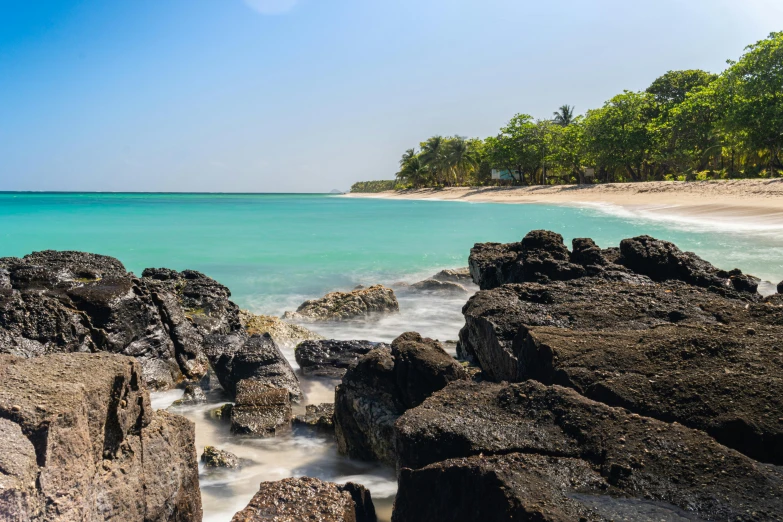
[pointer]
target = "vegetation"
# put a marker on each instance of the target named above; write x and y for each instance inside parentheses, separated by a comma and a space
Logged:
(373, 186)
(685, 125)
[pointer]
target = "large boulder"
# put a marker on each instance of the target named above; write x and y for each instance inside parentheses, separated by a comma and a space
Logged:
(434, 286)
(213, 457)
(237, 356)
(382, 385)
(454, 275)
(342, 306)
(780, 287)
(331, 358)
(548, 450)
(80, 441)
(317, 417)
(61, 302)
(261, 409)
(305, 498)
(285, 335)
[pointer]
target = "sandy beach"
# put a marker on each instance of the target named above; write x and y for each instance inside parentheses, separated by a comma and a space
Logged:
(757, 203)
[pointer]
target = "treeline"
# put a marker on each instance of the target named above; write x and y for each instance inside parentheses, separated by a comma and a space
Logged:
(685, 125)
(373, 186)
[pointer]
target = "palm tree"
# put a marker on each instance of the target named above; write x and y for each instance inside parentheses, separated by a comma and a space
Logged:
(432, 152)
(459, 158)
(412, 170)
(564, 116)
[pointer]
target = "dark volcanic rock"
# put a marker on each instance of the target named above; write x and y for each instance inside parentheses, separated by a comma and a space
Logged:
(724, 380)
(433, 286)
(382, 385)
(216, 458)
(305, 498)
(780, 287)
(331, 358)
(663, 261)
(81, 442)
(193, 395)
(79, 302)
(571, 445)
(319, 418)
(261, 409)
(237, 357)
(342, 306)
(540, 256)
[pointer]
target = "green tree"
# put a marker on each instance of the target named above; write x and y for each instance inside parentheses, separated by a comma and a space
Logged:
(672, 88)
(564, 116)
(433, 158)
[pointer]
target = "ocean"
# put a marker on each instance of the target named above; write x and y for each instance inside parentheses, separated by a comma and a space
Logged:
(276, 250)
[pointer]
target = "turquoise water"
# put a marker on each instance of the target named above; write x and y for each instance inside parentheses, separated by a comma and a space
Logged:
(274, 250)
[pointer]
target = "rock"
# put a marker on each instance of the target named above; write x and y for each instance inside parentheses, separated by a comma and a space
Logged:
(61, 302)
(222, 413)
(438, 287)
(237, 357)
(319, 418)
(261, 409)
(342, 306)
(305, 498)
(724, 380)
(331, 358)
(780, 287)
(285, 335)
(671, 351)
(541, 256)
(193, 395)
(663, 261)
(537, 446)
(382, 385)
(92, 445)
(216, 458)
(454, 275)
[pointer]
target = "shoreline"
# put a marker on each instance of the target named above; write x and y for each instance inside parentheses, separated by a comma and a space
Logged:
(740, 204)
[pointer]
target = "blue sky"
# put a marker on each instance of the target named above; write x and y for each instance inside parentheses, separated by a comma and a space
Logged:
(311, 95)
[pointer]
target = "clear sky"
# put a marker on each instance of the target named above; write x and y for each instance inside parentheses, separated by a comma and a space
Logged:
(312, 95)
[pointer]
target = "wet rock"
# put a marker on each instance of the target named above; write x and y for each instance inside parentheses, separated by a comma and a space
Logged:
(724, 380)
(193, 395)
(663, 261)
(305, 498)
(540, 256)
(342, 306)
(237, 357)
(260, 409)
(780, 287)
(331, 358)
(61, 302)
(95, 449)
(317, 417)
(568, 444)
(382, 385)
(285, 335)
(216, 458)
(454, 275)
(434, 286)
(222, 413)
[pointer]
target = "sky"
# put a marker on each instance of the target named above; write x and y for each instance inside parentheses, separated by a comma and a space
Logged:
(313, 95)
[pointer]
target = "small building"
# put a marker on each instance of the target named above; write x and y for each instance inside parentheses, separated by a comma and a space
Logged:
(502, 174)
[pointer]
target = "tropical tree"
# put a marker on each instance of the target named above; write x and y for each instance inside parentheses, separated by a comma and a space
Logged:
(460, 158)
(564, 116)
(433, 157)
(412, 171)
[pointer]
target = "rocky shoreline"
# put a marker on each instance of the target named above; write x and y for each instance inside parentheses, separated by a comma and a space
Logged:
(636, 382)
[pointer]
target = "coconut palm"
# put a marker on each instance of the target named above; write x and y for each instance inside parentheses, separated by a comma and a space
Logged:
(459, 158)
(432, 156)
(412, 170)
(564, 115)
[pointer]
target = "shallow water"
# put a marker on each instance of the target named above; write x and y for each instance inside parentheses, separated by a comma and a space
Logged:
(275, 251)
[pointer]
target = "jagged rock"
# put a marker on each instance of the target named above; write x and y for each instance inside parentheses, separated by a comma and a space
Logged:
(551, 443)
(222, 413)
(382, 385)
(260, 409)
(237, 357)
(216, 458)
(780, 287)
(663, 261)
(438, 287)
(669, 350)
(541, 256)
(305, 498)
(60, 302)
(454, 275)
(285, 335)
(331, 358)
(342, 306)
(91, 444)
(319, 418)
(193, 395)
